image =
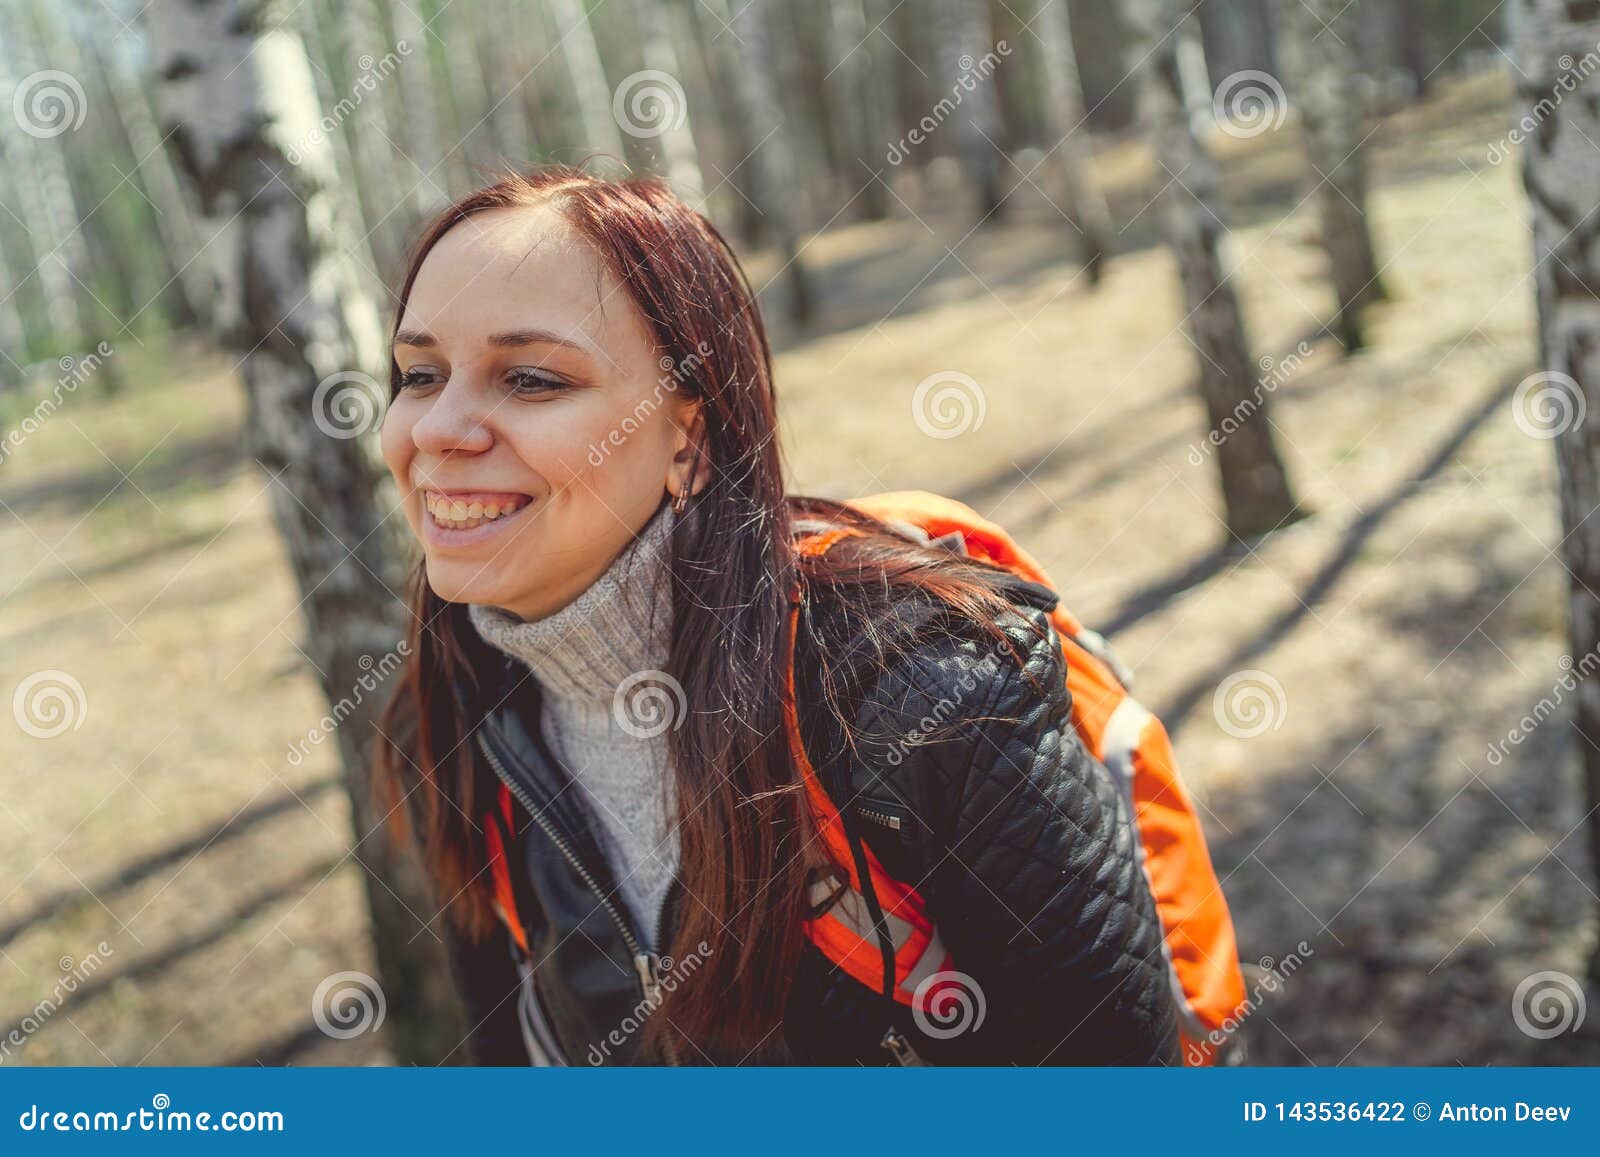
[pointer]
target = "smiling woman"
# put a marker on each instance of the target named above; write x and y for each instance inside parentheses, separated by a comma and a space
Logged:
(657, 710)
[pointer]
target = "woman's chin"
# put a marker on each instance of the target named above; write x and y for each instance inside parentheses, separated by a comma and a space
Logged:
(459, 581)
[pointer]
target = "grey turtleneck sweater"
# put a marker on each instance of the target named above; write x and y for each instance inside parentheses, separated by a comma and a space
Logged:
(604, 717)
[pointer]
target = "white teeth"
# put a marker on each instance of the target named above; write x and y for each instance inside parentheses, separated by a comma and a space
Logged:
(457, 515)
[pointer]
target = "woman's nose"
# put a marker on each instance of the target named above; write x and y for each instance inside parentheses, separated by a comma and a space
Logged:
(455, 421)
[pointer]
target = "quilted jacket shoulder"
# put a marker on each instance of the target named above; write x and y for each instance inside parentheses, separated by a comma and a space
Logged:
(1018, 839)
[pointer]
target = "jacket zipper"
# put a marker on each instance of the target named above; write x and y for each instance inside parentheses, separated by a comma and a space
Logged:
(894, 1042)
(882, 819)
(644, 963)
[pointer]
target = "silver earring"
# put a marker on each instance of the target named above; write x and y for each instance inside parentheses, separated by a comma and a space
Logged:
(681, 500)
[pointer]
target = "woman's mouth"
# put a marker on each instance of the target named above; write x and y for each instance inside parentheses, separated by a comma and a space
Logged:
(463, 517)
(463, 510)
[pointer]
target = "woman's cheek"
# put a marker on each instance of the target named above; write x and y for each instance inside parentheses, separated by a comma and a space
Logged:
(578, 453)
(394, 440)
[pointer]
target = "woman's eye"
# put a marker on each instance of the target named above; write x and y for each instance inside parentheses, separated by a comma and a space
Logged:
(418, 377)
(526, 380)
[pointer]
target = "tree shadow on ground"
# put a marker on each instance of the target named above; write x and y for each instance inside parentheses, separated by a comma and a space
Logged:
(153, 964)
(207, 458)
(1425, 890)
(1332, 569)
(137, 871)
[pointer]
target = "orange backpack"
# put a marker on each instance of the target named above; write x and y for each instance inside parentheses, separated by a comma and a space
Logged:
(1199, 942)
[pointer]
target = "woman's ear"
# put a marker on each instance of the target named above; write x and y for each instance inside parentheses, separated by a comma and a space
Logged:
(690, 465)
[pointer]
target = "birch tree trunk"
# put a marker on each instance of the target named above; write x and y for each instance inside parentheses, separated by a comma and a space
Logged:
(112, 284)
(1194, 73)
(369, 61)
(964, 40)
(420, 134)
(1325, 70)
(1255, 487)
(1082, 203)
(463, 77)
(581, 54)
(1412, 34)
(1236, 35)
(58, 254)
(506, 75)
(860, 116)
(315, 24)
(236, 92)
(663, 109)
(746, 53)
(1561, 169)
(180, 242)
(730, 181)
(14, 342)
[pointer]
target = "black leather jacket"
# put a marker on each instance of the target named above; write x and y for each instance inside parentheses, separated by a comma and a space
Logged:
(1018, 839)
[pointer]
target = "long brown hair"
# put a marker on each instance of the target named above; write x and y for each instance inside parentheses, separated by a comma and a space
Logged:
(745, 834)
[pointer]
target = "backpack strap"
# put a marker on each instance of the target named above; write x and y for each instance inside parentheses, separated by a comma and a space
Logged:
(513, 892)
(500, 836)
(874, 927)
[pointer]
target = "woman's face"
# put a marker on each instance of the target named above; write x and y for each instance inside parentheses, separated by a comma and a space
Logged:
(534, 432)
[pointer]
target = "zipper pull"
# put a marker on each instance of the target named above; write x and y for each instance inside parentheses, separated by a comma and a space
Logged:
(900, 1048)
(645, 965)
(883, 813)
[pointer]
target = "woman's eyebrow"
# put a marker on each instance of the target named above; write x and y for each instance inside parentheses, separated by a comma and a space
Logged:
(520, 337)
(509, 338)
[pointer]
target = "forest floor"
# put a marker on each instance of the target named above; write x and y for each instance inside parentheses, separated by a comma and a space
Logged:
(1402, 631)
